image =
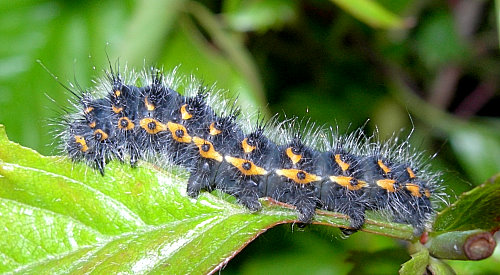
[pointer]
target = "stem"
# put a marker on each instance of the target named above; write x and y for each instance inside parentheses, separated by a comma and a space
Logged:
(323, 217)
(462, 245)
(497, 9)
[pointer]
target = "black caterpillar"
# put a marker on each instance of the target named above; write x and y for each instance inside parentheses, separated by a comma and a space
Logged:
(126, 119)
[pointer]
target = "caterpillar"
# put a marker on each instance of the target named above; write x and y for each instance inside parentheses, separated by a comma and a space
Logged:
(133, 116)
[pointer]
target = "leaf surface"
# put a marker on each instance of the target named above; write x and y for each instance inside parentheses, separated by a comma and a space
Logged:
(371, 13)
(475, 209)
(417, 264)
(59, 217)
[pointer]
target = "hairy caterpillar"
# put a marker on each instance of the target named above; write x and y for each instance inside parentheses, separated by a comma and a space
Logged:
(134, 116)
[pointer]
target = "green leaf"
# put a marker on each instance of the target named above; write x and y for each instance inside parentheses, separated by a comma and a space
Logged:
(437, 266)
(371, 13)
(417, 264)
(60, 217)
(57, 212)
(261, 15)
(438, 42)
(474, 209)
(158, 18)
(478, 150)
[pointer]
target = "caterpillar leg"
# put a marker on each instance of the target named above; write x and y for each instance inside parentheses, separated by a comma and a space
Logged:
(196, 183)
(306, 211)
(200, 179)
(306, 205)
(249, 196)
(357, 217)
(245, 190)
(357, 220)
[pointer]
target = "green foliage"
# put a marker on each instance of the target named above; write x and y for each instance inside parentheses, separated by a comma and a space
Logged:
(259, 15)
(57, 217)
(417, 264)
(336, 62)
(132, 220)
(478, 149)
(439, 42)
(371, 13)
(482, 201)
(140, 220)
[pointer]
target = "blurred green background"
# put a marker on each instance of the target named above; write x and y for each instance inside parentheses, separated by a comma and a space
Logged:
(431, 66)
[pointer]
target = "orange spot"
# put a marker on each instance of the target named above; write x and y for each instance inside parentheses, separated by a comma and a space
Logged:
(130, 124)
(214, 131)
(343, 165)
(427, 193)
(410, 173)
(149, 106)
(174, 128)
(247, 148)
(116, 109)
(184, 113)
(92, 124)
(152, 126)
(118, 93)
(293, 157)
(104, 136)
(246, 167)
(80, 140)
(207, 149)
(387, 184)
(414, 189)
(384, 167)
(347, 182)
(88, 110)
(298, 176)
